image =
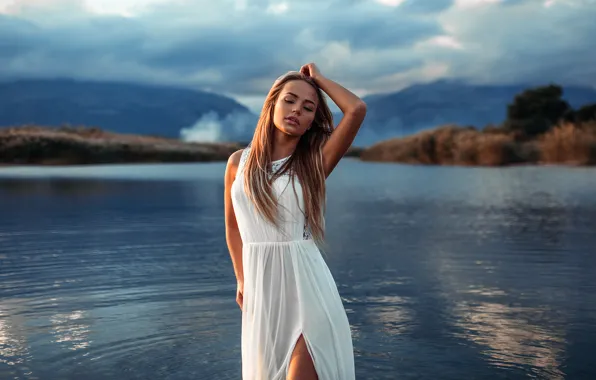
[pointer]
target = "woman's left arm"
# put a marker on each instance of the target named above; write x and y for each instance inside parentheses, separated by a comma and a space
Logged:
(353, 109)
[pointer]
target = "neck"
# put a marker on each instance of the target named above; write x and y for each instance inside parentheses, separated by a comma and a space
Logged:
(283, 145)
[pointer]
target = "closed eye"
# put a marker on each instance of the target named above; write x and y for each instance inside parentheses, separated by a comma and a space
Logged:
(289, 101)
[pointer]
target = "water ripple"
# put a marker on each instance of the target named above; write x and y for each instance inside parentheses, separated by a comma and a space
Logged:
(466, 273)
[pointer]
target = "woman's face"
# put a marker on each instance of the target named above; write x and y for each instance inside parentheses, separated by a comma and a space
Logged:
(295, 108)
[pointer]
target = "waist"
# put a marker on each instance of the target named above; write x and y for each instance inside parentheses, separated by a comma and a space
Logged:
(281, 243)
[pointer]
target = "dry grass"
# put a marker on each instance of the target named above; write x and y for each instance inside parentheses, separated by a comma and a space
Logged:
(453, 145)
(66, 145)
(82, 133)
(569, 144)
(80, 145)
(449, 145)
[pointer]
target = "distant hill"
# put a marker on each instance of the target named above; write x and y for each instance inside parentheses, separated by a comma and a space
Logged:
(430, 105)
(119, 107)
(171, 112)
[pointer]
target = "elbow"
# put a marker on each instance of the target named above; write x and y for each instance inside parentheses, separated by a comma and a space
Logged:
(359, 109)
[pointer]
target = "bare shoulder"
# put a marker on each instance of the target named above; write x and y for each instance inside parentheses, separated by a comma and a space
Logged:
(234, 159)
(233, 163)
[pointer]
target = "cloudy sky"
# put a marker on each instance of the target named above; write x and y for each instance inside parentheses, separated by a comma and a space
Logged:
(238, 47)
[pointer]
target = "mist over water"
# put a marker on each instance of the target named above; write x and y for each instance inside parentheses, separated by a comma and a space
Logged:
(237, 126)
(240, 127)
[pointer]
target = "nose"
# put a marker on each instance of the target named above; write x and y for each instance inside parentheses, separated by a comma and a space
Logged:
(296, 110)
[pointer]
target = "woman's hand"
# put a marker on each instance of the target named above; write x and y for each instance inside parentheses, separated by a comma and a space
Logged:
(311, 70)
(240, 294)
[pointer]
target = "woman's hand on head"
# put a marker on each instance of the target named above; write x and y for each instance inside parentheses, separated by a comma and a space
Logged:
(310, 70)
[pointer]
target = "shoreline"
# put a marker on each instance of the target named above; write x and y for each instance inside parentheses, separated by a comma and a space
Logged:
(25, 146)
(68, 146)
(566, 145)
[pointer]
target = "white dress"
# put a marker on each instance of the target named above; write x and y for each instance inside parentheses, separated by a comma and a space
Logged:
(288, 290)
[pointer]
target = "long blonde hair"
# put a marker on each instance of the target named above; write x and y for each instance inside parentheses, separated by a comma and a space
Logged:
(306, 163)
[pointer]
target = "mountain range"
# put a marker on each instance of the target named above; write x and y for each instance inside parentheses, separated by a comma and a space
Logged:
(199, 115)
(425, 106)
(114, 106)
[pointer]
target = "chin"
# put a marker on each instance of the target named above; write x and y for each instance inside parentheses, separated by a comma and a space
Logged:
(291, 130)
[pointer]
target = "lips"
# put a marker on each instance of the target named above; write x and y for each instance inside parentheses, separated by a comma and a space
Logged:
(293, 120)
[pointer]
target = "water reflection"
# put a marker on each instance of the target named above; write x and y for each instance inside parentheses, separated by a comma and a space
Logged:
(392, 313)
(510, 337)
(13, 346)
(70, 330)
(15, 350)
(462, 273)
(542, 215)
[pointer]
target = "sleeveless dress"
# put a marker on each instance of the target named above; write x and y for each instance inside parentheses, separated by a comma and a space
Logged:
(288, 290)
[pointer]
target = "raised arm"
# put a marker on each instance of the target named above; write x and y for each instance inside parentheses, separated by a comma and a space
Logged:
(354, 110)
(233, 239)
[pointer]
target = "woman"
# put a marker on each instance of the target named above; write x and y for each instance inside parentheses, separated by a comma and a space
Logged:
(294, 325)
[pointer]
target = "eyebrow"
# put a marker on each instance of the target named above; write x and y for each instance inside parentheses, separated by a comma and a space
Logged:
(306, 100)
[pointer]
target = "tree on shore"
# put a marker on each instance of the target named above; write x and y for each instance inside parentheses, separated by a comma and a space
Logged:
(537, 110)
(584, 114)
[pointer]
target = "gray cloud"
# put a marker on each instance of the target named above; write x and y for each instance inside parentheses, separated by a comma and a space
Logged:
(241, 47)
(392, 28)
(231, 56)
(525, 42)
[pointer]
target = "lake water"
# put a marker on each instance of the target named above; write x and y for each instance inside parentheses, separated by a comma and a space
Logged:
(122, 272)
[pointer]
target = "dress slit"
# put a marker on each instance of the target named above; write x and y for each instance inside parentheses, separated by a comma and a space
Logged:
(308, 348)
